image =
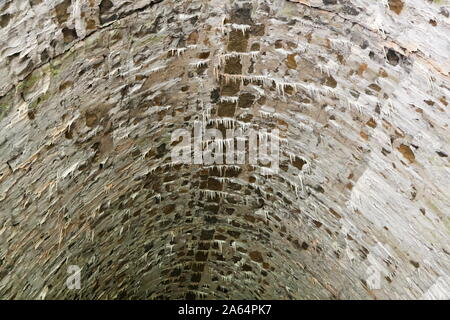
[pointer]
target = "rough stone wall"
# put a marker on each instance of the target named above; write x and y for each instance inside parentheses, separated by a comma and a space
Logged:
(91, 91)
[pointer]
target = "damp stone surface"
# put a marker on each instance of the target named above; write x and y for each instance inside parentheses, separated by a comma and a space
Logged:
(91, 92)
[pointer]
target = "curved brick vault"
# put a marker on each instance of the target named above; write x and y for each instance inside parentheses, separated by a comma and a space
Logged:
(91, 91)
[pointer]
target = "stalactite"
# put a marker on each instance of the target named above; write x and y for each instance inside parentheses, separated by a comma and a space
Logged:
(230, 99)
(240, 27)
(200, 63)
(224, 57)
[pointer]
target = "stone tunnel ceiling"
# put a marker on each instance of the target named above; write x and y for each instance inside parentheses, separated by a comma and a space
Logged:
(91, 92)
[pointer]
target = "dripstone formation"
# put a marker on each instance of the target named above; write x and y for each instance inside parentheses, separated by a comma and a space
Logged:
(91, 92)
